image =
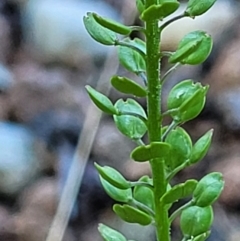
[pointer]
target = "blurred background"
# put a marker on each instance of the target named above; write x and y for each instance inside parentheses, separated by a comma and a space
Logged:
(46, 59)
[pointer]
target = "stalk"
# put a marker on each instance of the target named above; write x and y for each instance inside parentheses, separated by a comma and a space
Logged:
(154, 121)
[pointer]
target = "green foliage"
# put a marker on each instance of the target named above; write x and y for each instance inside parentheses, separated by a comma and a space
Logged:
(169, 148)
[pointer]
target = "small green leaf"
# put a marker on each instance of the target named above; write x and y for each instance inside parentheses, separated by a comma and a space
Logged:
(130, 125)
(97, 32)
(140, 5)
(160, 11)
(196, 220)
(144, 194)
(109, 234)
(179, 191)
(113, 177)
(151, 151)
(130, 58)
(112, 25)
(201, 147)
(119, 195)
(208, 189)
(189, 98)
(202, 237)
(128, 86)
(181, 148)
(101, 101)
(198, 7)
(131, 215)
(193, 49)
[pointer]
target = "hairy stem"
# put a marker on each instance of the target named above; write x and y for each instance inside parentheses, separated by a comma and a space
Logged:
(155, 121)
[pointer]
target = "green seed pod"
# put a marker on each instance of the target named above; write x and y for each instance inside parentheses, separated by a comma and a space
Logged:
(113, 177)
(140, 5)
(144, 194)
(101, 101)
(128, 86)
(181, 148)
(97, 32)
(193, 49)
(179, 191)
(198, 7)
(119, 195)
(129, 125)
(109, 234)
(208, 189)
(189, 98)
(112, 25)
(132, 215)
(165, 8)
(202, 237)
(149, 152)
(201, 147)
(130, 58)
(196, 220)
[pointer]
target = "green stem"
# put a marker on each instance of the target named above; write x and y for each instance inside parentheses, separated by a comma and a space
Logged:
(125, 44)
(143, 207)
(140, 142)
(179, 211)
(155, 121)
(172, 20)
(174, 67)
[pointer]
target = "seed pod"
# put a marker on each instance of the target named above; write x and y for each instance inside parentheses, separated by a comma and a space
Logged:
(119, 195)
(130, 58)
(112, 25)
(165, 8)
(196, 220)
(130, 125)
(101, 101)
(149, 152)
(201, 147)
(109, 234)
(189, 98)
(198, 7)
(208, 189)
(113, 177)
(179, 191)
(128, 86)
(98, 32)
(144, 194)
(181, 148)
(131, 214)
(193, 49)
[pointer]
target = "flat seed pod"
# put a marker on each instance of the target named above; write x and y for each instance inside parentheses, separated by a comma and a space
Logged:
(196, 220)
(132, 215)
(189, 98)
(160, 11)
(112, 25)
(119, 195)
(201, 147)
(198, 7)
(98, 32)
(179, 191)
(130, 125)
(140, 5)
(208, 189)
(130, 58)
(149, 152)
(112, 176)
(193, 49)
(202, 237)
(109, 234)
(144, 194)
(101, 101)
(181, 148)
(128, 86)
